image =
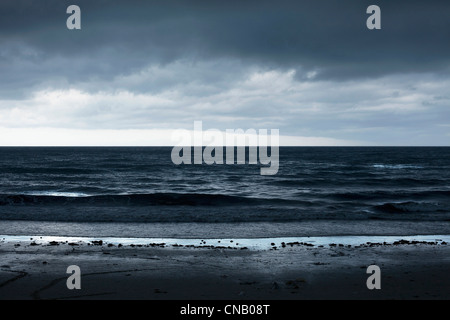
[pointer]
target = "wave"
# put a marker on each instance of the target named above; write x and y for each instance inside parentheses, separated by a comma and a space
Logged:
(396, 166)
(411, 207)
(388, 194)
(52, 170)
(167, 199)
(58, 194)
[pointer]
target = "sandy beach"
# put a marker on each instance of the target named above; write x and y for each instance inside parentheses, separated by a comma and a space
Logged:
(36, 269)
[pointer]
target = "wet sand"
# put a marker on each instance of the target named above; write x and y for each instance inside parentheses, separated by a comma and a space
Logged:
(409, 270)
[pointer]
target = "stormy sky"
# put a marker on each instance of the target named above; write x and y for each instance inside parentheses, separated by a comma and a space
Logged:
(139, 69)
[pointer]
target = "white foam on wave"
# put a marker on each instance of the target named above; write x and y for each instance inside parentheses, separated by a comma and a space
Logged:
(58, 194)
(249, 243)
(396, 166)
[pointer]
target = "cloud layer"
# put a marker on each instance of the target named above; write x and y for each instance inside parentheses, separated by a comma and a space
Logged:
(309, 68)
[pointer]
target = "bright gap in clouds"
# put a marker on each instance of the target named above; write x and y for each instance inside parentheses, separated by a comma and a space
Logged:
(307, 112)
(77, 137)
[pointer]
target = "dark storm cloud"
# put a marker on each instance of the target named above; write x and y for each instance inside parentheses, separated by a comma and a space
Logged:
(121, 37)
(309, 68)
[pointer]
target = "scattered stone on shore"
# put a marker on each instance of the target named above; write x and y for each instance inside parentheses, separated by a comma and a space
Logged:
(338, 254)
(159, 291)
(292, 284)
(296, 243)
(273, 245)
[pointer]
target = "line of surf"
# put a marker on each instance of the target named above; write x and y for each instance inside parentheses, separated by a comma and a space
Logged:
(238, 243)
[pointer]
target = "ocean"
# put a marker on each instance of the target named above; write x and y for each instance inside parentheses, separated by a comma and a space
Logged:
(68, 190)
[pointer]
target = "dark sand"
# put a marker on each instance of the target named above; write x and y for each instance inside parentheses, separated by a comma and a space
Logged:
(408, 271)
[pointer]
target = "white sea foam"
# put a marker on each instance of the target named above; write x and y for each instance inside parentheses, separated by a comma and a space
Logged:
(57, 194)
(396, 166)
(249, 243)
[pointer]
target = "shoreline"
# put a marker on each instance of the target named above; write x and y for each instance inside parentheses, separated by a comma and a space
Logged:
(409, 270)
(258, 244)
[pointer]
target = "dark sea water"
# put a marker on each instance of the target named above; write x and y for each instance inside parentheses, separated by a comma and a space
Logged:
(142, 185)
